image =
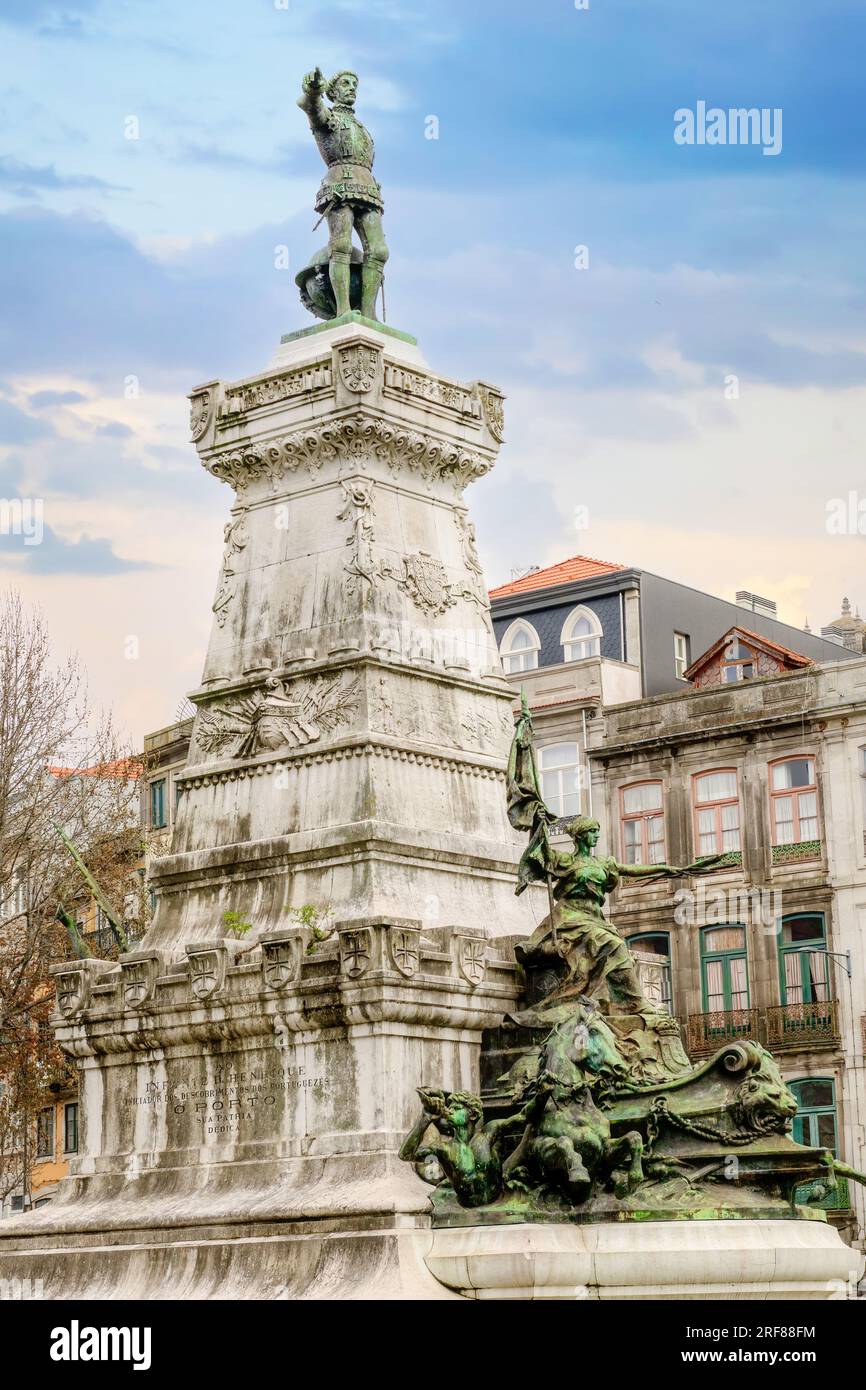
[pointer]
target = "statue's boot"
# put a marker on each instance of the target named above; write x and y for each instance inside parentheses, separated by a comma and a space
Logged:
(371, 281)
(339, 271)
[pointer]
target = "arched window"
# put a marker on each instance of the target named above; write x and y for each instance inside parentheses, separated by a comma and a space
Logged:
(653, 960)
(717, 811)
(643, 823)
(581, 635)
(794, 801)
(519, 648)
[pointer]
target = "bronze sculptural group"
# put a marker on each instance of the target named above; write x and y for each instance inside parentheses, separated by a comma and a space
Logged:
(602, 1116)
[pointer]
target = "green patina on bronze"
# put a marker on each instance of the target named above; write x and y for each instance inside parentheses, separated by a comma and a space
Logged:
(341, 277)
(602, 1117)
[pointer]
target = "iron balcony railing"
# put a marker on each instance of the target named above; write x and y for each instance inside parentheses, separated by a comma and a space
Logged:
(781, 1027)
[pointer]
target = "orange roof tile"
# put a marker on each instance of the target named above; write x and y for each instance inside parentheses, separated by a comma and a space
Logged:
(130, 768)
(786, 653)
(577, 567)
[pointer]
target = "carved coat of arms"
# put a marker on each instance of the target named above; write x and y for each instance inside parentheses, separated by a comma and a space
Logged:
(281, 962)
(200, 408)
(356, 950)
(206, 973)
(493, 406)
(472, 959)
(358, 367)
(405, 945)
(139, 981)
(72, 992)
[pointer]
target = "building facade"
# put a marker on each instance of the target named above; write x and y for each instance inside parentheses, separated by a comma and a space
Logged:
(585, 609)
(770, 774)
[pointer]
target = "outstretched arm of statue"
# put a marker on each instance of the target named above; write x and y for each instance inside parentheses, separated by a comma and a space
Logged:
(707, 861)
(411, 1146)
(311, 99)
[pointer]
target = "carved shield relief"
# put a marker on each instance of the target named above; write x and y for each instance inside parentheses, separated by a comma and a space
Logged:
(72, 992)
(405, 948)
(206, 972)
(200, 408)
(356, 952)
(472, 959)
(281, 962)
(358, 367)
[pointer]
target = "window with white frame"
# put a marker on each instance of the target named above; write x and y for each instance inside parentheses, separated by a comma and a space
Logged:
(581, 635)
(15, 902)
(794, 801)
(519, 648)
(681, 654)
(643, 823)
(717, 812)
(559, 770)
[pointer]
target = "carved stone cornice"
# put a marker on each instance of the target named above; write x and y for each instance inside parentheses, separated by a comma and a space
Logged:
(349, 439)
(379, 747)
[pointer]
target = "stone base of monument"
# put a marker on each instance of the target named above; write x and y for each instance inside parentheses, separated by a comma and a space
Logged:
(243, 1112)
(656, 1260)
(247, 1248)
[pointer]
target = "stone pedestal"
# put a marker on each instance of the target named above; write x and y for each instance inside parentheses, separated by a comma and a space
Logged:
(243, 1099)
(653, 1260)
(353, 722)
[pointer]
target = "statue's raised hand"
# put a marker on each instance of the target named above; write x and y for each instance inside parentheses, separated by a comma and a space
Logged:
(314, 81)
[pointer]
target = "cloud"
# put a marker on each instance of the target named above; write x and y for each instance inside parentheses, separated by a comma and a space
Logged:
(46, 400)
(18, 428)
(56, 555)
(33, 14)
(23, 180)
(115, 430)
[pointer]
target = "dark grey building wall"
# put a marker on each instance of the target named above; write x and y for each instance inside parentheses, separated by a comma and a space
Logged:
(548, 622)
(667, 607)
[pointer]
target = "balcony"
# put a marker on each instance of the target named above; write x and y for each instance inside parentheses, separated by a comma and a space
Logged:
(802, 1025)
(784, 1027)
(706, 1033)
(792, 854)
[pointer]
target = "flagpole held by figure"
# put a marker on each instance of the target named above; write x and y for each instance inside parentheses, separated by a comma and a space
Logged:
(527, 811)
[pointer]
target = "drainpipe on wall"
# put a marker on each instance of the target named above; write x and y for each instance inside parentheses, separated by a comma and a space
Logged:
(587, 764)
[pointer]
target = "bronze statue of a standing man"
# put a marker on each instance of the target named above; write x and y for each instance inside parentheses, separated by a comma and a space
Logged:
(349, 196)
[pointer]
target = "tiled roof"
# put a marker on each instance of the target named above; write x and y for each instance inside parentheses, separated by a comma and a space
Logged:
(130, 768)
(785, 654)
(578, 567)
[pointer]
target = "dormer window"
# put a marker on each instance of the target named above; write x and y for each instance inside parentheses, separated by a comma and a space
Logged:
(581, 635)
(738, 663)
(519, 648)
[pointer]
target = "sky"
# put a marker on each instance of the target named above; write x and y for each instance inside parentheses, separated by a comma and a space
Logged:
(685, 394)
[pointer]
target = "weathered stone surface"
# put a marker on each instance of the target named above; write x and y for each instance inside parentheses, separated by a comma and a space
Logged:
(703, 1260)
(353, 723)
(246, 1079)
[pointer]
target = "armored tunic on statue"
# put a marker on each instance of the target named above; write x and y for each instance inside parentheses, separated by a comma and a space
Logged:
(348, 150)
